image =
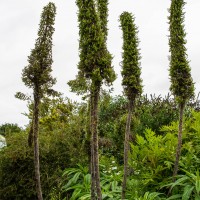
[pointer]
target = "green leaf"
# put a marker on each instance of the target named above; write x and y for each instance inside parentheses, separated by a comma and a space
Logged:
(177, 182)
(187, 192)
(85, 197)
(75, 194)
(197, 185)
(176, 196)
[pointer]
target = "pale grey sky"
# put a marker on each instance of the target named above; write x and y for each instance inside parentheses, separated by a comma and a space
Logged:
(19, 24)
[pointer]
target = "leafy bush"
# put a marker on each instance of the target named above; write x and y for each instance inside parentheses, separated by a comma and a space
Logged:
(7, 128)
(152, 157)
(151, 112)
(76, 181)
(154, 112)
(186, 186)
(17, 170)
(111, 178)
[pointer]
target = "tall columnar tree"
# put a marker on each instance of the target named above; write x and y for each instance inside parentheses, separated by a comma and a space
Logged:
(182, 86)
(36, 75)
(132, 83)
(94, 70)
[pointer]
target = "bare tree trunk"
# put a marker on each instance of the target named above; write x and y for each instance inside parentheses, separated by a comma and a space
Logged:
(127, 147)
(93, 179)
(36, 145)
(30, 135)
(94, 143)
(178, 150)
(92, 167)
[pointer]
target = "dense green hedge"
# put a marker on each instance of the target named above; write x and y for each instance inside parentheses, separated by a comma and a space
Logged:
(17, 169)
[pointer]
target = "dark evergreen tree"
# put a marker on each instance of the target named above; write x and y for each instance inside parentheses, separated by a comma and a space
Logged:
(94, 70)
(36, 75)
(182, 86)
(132, 83)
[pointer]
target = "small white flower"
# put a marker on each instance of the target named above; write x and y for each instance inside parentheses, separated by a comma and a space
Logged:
(113, 168)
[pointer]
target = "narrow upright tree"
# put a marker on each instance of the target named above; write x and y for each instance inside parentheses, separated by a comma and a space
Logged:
(37, 76)
(132, 83)
(94, 69)
(182, 86)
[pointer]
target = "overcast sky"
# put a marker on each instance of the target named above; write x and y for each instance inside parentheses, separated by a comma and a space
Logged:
(19, 24)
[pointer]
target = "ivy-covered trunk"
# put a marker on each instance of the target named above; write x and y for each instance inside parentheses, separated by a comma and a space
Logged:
(178, 149)
(127, 147)
(36, 145)
(94, 145)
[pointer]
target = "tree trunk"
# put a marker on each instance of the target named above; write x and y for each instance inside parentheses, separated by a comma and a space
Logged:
(127, 147)
(92, 167)
(94, 142)
(93, 179)
(178, 149)
(30, 135)
(36, 145)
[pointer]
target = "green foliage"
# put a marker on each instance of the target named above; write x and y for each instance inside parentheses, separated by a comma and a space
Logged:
(153, 112)
(37, 74)
(191, 148)
(76, 181)
(63, 144)
(22, 96)
(95, 60)
(16, 169)
(191, 140)
(148, 196)
(55, 111)
(111, 178)
(102, 6)
(59, 148)
(60, 116)
(7, 128)
(182, 86)
(152, 158)
(130, 65)
(187, 186)
(111, 109)
(135, 191)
